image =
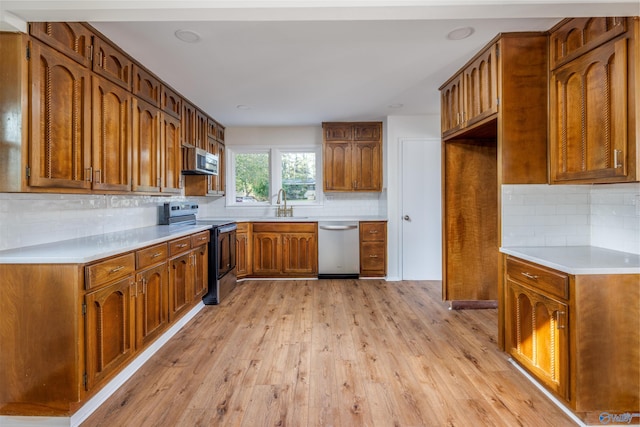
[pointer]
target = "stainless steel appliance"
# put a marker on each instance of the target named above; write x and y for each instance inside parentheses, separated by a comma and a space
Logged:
(200, 162)
(222, 246)
(338, 249)
(222, 259)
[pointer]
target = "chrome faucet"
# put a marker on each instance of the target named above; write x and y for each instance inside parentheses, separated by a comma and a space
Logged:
(283, 211)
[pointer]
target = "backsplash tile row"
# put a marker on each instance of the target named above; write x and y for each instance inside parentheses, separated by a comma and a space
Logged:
(567, 215)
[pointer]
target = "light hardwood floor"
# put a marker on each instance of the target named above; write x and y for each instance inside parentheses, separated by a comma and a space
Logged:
(331, 353)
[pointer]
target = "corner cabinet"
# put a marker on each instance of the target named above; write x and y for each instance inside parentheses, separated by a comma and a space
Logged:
(594, 100)
(352, 156)
(576, 334)
(73, 327)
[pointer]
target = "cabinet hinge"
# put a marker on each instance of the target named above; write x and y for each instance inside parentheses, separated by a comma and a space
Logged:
(497, 51)
(27, 171)
(28, 53)
(84, 309)
(85, 380)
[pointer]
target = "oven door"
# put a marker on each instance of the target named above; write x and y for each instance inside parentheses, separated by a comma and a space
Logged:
(226, 249)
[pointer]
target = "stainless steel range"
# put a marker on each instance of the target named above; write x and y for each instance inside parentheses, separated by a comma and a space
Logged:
(222, 247)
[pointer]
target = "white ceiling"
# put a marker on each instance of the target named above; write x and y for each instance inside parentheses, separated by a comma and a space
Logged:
(303, 62)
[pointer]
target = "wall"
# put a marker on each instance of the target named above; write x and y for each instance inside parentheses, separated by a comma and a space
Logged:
(606, 216)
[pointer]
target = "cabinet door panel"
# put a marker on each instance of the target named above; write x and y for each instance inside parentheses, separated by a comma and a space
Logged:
(171, 102)
(171, 160)
(71, 38)
(60, 129)
(589, 116)
(111, 136)
(367, 166)
(146, 147)
(109, 330)
(146, 86)
(152, 313)
(266, 254)
(337, 166)
(452, 102)
(243, 263)
(180, 285)
(201, 271)
(537, 336)
(300, 254)
(112, 63)
(481, 87)
(338, 132)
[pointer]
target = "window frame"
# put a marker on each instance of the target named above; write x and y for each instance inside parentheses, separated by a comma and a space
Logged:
(275, 173)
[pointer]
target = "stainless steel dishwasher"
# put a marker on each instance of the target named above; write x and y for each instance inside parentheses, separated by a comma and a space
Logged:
(338, 249)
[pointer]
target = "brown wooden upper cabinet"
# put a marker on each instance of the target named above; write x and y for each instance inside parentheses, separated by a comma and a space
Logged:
(171, 102)
(352, 156)
(472, 94)
(146, 86)
(594, 101)
(112, 63)
(69, 38)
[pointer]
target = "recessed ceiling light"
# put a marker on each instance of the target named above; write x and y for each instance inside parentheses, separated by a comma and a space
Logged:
(187, 36)
(460, 33)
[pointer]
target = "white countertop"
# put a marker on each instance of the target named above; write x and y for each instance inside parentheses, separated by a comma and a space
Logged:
(295, 218)
(86, 249)
(579, 259)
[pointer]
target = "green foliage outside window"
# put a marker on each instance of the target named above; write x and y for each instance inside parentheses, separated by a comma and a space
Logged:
(299, 176)
(252, 177)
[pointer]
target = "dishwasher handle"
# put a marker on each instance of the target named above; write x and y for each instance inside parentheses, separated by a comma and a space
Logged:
(338, 227)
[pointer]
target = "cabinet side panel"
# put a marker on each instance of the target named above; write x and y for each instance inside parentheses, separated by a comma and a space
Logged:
(39, 334)
(607, 342)
(522, 125)
(13, 110)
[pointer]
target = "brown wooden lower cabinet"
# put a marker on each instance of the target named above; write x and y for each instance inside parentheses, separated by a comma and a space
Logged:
(373, 248)
(577, 335)
(285, 249)
(73, 327)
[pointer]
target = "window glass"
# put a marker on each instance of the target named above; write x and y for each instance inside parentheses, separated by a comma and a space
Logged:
(252, 177)
(299, 176)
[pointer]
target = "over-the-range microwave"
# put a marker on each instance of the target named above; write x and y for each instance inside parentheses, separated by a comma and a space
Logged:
(200, 162)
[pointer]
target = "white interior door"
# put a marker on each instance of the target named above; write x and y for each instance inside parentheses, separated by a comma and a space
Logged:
(421, 209)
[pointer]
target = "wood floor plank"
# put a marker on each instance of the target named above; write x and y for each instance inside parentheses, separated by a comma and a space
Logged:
(331, 353)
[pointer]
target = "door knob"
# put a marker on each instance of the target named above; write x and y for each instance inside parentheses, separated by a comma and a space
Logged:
(407, 218)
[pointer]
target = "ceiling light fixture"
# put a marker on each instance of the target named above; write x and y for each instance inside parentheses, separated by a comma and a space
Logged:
(460, 33)
(187, 36)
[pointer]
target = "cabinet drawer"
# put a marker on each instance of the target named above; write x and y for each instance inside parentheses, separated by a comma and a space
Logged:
(372, 257)
(151, 255)
(544, 279)
(243, 227)
(372, 231)
(107, 271)
(199, 239)
(179, 245)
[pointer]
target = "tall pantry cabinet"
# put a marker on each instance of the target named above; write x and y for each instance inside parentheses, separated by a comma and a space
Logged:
(494, 117)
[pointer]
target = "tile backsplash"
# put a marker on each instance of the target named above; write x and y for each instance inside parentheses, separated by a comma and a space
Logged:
(606, 216)
(30, 219)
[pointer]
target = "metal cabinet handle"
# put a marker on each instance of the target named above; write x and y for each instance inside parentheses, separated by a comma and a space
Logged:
(156, 255)
(373, 256)
(116, 269)
(616, 158)
(182, 245)
(529, 275)
(560, 319)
